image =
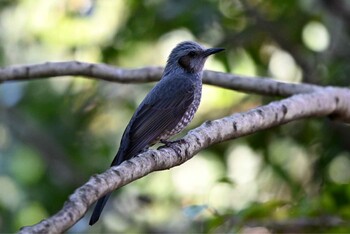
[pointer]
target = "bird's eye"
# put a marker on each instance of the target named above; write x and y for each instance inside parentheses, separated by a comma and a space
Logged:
(191, 53)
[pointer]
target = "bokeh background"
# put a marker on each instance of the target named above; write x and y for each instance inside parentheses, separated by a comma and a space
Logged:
(55, 133)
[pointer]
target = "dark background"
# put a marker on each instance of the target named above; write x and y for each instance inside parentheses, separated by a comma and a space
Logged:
(56, 133)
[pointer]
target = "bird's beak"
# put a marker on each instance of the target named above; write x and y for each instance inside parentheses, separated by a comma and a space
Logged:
(211, 51)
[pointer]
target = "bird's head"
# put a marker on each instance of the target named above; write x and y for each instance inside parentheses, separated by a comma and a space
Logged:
(189, 56)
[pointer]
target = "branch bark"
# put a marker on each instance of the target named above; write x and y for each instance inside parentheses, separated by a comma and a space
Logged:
(323, 102)
(261, 85)
(307, 101)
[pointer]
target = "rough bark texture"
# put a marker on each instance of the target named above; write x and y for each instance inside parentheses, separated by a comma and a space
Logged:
(329, 101)
(305, 101)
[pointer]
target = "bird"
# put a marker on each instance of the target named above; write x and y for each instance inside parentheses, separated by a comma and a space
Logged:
(167, 109)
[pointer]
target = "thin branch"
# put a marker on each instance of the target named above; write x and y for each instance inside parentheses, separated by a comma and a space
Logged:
(259, 85)
(76, 68)
(329, 101)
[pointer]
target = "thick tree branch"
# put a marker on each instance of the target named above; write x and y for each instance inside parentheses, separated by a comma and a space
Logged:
(148, 74)
(310, 101)
(329, 101)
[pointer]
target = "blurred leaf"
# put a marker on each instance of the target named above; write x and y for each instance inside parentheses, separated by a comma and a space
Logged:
(27, 166)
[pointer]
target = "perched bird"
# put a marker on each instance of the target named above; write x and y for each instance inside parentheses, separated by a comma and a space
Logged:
(167, 109)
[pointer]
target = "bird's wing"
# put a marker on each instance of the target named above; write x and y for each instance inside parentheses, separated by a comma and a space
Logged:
(158, 116)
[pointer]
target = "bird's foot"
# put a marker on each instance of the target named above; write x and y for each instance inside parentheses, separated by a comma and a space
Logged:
(144, 150)
(169, 143)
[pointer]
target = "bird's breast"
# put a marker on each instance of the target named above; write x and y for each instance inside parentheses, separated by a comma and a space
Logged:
(187, 117)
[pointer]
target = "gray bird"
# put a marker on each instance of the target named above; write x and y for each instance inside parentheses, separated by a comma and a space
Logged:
(167, 109)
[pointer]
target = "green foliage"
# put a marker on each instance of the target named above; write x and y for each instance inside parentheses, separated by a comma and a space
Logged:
(56, 133)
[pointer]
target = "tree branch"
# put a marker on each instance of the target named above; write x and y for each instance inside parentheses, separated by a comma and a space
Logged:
(149, 74)
(308, 100)
(329, 101)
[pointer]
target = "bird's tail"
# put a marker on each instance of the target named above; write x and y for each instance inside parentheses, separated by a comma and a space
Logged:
(118, 159)
(98, 208)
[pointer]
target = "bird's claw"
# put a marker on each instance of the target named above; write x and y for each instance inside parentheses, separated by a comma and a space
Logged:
(169, 143)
